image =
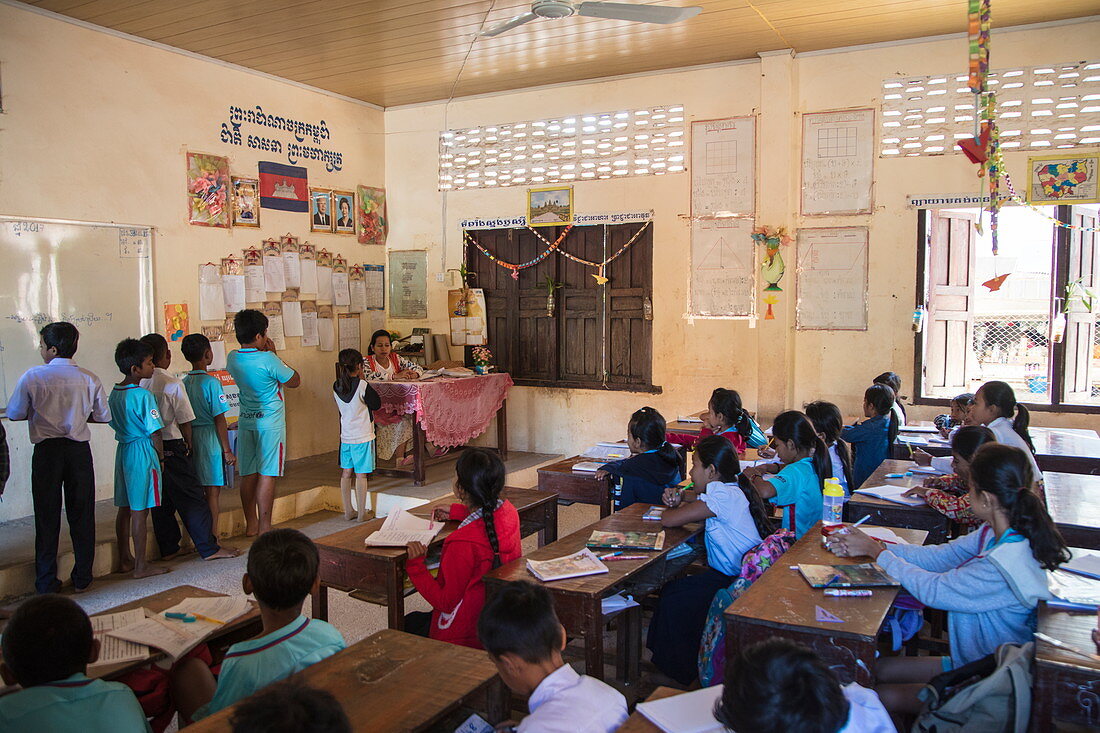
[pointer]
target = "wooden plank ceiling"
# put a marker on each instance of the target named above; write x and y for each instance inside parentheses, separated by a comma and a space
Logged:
(393, 52)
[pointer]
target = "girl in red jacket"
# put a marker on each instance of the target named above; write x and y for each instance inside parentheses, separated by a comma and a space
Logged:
(487, 536)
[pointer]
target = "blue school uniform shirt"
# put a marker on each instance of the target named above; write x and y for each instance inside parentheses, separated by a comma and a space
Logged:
(259, 376)
(134, 414)
(642, 478)
(75, 703)
(256, 663)
(871, 441)
(797, 483)
(207, 397)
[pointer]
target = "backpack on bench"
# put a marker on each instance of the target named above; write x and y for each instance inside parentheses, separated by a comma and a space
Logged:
(989, 695)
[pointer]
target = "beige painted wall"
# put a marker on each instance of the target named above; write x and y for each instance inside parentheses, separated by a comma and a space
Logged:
(95, 129)
(772, 365)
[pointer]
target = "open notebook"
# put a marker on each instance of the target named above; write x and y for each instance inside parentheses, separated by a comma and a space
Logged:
(400, 528)
(890, 492)
(690, 712)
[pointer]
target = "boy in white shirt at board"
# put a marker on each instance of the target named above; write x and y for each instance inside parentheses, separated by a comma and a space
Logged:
(524, 639)
(59, 399)
(183, 493)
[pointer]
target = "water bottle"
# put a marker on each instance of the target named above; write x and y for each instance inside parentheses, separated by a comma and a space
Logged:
(832, 507)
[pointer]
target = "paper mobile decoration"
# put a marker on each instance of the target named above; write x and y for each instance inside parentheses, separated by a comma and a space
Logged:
(995, 283)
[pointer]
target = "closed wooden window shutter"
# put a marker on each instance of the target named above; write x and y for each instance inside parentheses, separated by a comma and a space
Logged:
(500, 294)
(950, 326)
(581, 302)
(630, 307)
(1080, 338)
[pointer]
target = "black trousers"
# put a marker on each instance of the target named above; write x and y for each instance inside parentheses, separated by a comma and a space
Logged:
(62, 468)
(182, 495)
(677, 625)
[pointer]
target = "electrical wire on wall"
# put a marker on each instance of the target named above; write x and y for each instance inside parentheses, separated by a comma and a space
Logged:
(446, 126)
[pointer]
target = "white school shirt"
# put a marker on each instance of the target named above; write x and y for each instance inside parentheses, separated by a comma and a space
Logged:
(900, 412)
(1002, 428)
(866, 713)
(172, 401)
(730, 533)
(566, 702)
(57, 398)
(838, 468)
(355, 424)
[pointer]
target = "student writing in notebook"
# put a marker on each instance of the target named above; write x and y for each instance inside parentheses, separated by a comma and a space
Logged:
(950, 494)
(652, 467)
(47, 646)
(989, 581)
(872, 438)
(726, 417)
(282, 571)
(521, 633)
(487, 537)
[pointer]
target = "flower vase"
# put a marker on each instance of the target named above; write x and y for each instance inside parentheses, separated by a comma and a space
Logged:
(481, 368)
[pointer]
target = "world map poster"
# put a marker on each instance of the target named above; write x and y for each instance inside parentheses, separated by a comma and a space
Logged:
(1063, 179)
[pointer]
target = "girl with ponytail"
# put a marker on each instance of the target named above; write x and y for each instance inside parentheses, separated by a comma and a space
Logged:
(989, 581)
(805, 466)
(487, 537)
(828, 422)
(356, 400)
(726, 417)
(653, 466)
(736, 521)
(873, 437)
(995, 407)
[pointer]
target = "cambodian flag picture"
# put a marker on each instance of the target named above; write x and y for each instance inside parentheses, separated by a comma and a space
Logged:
(283, 187)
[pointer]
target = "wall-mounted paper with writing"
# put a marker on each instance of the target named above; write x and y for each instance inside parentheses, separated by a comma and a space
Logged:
(292, 263)
(348, 331)
(274, 269)
(375, 276)
(324, 276)
(408, 283)
(309, 323)
(838, 154)
(273, 309)
(292, 314)
(254, 291)
(232, 284)
(832, 279)
(341, 290)
(308, 256)
(211, 300)
(723, 167)
(326, 328)
(723, 269)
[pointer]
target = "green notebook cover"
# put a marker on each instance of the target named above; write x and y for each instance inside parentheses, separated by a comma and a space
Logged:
(605, 540)
(866, 575)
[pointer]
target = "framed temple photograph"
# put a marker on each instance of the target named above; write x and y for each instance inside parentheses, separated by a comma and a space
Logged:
(343, 204)
(320, 210)
(246, 202)
(550, 206)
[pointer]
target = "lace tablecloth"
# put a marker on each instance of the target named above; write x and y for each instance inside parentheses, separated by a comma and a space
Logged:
(451, 411)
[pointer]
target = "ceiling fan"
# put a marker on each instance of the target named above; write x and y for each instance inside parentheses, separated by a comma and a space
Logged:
(611, 11)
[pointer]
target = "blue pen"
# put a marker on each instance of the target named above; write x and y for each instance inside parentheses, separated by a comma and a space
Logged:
(834, 579)
(184, 617)
(611, 554)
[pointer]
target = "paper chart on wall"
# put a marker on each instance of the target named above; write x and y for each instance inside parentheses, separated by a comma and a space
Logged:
(832, 279)
(274, 311)
(292, 314)
(309, 323)
(254, 291)
(341, 290)
(375, 276)
(211, 300)
(838, 153)
(408, 284)
(326, 328)
(723, 269)
(232, 285)
(309, 268)
(723, 167)
(274, 269)
(292, 262)
(357, 284)
(348, 331)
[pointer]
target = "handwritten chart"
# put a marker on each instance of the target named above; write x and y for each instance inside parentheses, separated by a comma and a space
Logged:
(723, 269)
(832, 279)
(838, 154)
(723, 167)
(408, 284)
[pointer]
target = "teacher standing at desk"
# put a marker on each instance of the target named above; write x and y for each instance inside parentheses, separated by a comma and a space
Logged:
(382, 364)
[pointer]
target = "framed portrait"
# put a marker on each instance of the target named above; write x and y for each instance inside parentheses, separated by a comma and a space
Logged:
(320, 210)
(246, 202)
(1063, 179)
(343, 206)
(550, 207)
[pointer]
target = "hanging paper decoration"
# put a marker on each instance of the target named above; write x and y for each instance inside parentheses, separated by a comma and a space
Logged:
(600, 266)
(771, 299)
(994, 284)
(1057, 222)
(978, 28)
(773, 267)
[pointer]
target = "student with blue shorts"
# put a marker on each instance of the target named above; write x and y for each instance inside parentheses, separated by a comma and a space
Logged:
(261, 430)
(356, 400)
(135, 420)
(209, 431)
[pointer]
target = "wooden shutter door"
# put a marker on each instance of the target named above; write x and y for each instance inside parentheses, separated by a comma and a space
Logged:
(629, 306)
(949, 330)
(580, 301)
(500, 291)
(536, 336)
(1080, 336)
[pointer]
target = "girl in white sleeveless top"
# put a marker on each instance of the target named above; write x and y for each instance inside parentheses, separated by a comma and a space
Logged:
(356, 400)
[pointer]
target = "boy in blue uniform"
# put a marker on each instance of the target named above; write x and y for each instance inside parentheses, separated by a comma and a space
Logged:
(47, 647)
(282, 570)
(209, 431)
(135, 419)
(261, 430)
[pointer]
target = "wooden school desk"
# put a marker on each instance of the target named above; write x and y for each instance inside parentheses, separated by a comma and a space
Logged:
(781, 603)
(571, 485)
(578, 601)
(1073, 500)
(245, 627)
(1065, 686)
(1068, 450)
(377, 574)
(891, 514)
(393, 681)
(639, 723)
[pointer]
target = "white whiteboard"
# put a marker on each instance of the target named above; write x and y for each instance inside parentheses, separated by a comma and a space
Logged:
(98, 277)
(832, 279)
(723, 167)
(723, 269)
(838, 154)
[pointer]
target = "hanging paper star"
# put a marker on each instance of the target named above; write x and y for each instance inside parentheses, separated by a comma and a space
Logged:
(977, 148)
(600, 279)
(996, 283)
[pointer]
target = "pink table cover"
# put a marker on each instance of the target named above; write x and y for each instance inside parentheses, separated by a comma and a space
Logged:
(451, 411)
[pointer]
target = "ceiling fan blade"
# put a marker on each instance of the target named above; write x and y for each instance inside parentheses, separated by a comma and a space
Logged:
(637, 13)
(508, 25)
